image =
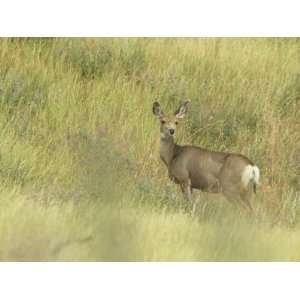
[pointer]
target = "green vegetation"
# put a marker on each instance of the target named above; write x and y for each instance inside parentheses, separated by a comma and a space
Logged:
(80, 174)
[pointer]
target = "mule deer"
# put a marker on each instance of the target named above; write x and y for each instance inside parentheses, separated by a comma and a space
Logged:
(233, 175)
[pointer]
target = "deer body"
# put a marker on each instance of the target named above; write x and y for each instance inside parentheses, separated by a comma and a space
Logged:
(233, 175)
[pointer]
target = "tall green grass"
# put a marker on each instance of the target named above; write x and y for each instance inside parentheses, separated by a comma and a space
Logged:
(80, 175)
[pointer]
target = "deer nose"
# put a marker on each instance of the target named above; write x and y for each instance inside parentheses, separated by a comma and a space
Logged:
(172, 131)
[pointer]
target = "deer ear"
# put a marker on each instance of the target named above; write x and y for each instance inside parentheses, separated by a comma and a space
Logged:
(157, 110)
(182, 110)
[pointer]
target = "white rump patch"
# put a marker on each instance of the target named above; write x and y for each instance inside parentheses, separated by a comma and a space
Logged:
(250, 173)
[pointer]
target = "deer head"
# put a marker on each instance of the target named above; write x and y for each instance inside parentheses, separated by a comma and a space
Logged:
(169, 123)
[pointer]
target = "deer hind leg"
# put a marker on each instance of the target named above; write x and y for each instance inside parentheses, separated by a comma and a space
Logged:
(236, 196)
(245, 196)
(231, 195)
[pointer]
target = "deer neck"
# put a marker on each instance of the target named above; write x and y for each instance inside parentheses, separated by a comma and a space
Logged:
(167, 149)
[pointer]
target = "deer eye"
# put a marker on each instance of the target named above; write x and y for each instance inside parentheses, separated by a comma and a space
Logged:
(163, 121)
(176, 123)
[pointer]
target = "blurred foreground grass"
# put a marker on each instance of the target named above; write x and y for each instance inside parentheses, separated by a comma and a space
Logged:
(80, 175)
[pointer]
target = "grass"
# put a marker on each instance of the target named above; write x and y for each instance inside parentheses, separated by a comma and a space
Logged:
(80, 174)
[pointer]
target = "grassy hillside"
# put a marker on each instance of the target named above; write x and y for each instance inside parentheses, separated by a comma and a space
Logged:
(80, 174)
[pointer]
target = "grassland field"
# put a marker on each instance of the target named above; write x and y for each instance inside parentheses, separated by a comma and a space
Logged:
(80, 173)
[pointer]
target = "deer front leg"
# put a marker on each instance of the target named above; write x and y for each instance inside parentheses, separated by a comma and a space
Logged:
(186, 189)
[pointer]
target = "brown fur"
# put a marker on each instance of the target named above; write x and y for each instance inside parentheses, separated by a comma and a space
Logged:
(196, 168)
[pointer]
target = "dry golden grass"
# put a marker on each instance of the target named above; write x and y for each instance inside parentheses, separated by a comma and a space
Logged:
(80, 173)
